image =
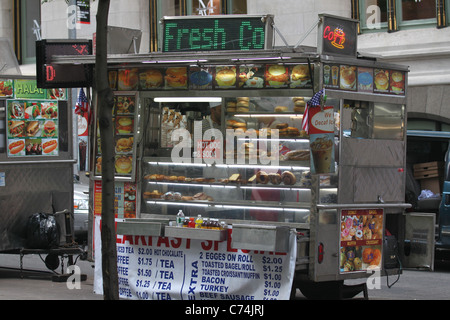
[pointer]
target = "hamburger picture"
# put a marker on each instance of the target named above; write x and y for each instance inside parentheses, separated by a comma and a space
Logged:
(300, 76)
(381, 81)
(397, 82)
(226, 77)
(49, 129)
(124, 125)
(276, 75)
(176, 77)
(123, 165)
(124, 145)
(152, 78)
(32, 128)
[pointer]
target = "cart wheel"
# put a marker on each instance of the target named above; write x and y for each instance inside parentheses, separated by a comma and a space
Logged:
(52, 261)
(327, 290)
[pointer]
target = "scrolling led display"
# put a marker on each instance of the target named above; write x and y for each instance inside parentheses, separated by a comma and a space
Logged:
(212, 34)
(62, 76)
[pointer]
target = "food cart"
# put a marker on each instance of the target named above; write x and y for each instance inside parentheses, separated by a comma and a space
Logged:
(36, 169)
(293, 182)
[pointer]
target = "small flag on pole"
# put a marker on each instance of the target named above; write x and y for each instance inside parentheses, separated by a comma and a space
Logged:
(315, 101)
(82, 105)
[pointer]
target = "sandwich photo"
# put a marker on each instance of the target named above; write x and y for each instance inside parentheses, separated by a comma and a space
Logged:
(16, 128)
(32, 128)
(226, 76)
(397, 82)
(300, 76)
(176, 77)
(124, 125)
(276, 75)
(151, 78)
(381, 80)
(123, 165)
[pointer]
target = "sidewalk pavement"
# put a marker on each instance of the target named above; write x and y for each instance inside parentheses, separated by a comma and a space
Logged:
(35, 282)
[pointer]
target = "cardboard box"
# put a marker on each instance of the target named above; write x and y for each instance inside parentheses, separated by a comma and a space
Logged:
(432, 184)
(427, 170)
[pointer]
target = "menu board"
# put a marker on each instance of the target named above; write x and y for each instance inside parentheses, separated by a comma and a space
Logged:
(361, 240)
(32, 128)
(165, 268)
(363, 79)
(124, 126)
(227, 77)
(124, 199)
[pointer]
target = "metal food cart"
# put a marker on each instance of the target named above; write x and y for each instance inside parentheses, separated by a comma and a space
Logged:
(36, 170)
(271, 201)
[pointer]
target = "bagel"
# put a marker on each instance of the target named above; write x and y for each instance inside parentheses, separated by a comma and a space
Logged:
(262, 177)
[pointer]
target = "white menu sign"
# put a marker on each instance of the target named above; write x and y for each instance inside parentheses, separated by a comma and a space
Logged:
(162, 268)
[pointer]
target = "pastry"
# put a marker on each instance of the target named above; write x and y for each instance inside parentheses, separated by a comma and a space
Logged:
(275, 178)
(282, 125)
(281, 109)
(288, 178)
(262, 177)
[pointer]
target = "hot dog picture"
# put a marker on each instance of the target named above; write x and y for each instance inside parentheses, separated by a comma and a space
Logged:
(49, 146)
(16, 146)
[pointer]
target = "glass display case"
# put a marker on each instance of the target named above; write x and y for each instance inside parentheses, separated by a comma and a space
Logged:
(245, 158)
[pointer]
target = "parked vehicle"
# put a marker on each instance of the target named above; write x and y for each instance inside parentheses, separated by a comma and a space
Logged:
(80, 210)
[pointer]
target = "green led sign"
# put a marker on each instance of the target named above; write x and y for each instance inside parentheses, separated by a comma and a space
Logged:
(214, 33)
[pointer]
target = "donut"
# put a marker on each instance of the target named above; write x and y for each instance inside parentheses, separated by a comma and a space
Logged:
(275, 178)
(288, 178)
(262, 177)
(376, 253)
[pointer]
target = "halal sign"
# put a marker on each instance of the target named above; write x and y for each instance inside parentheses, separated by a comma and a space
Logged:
(337, 36)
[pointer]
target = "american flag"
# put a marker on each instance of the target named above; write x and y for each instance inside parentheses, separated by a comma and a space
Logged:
(82, 105)
(315, 101)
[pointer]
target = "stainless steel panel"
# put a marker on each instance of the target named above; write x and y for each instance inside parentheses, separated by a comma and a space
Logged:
(192, 233)
(374, 184)
(367, 184)
(140, 228)
(419, 240)
(265, 238)
(32, 188)
(368, 152)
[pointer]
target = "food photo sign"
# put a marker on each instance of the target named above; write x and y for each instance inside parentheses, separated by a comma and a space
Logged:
(363, 79)
(124, 130)
(32, 118)
(361, 240)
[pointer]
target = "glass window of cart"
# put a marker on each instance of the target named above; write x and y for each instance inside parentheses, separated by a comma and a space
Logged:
(264, 177)
(373, 120)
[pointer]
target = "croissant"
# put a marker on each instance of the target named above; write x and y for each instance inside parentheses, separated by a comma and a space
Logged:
(288, 178)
